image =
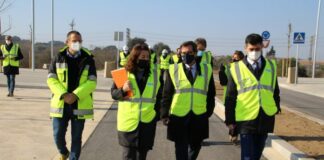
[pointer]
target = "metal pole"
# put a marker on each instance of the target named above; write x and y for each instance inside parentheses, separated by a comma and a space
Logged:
(296, 70)
(33, 36)
(118, 51)
(316, 36)
(52, 43)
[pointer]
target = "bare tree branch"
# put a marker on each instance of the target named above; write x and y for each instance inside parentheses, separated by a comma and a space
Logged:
(4, 5)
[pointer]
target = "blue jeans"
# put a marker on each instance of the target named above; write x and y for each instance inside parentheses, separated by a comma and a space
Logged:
(60, 126)
(11, 83)
(252, 146)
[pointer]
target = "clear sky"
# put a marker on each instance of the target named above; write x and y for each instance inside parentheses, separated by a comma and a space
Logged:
(224, 23)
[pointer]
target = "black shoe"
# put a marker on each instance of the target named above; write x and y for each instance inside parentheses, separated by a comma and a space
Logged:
(8, 95)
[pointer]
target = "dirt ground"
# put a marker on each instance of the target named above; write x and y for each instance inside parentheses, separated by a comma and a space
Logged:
(304, 134)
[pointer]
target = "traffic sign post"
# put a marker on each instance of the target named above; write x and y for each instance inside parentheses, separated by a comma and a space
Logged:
(296, 70)
(299, 38)
(118, 36)
(265, 37)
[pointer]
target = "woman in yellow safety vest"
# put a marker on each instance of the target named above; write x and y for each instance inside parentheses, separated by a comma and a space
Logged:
(137, 114)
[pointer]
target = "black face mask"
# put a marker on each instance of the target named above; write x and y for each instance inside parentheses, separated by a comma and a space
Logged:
(188, 58)
(234, 60)
(143, 64)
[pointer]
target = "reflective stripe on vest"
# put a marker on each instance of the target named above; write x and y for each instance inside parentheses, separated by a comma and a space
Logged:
(253, 94)
(206, 57)
(153, 57)
(10, 55)
(189, 97)
(139, 108)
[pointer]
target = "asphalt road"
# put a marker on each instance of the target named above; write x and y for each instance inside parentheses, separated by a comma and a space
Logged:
(308, 104)
(103, 144)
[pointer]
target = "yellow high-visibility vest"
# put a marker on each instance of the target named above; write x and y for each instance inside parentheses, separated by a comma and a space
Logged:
(58, 84)
(189, 97)
(10, 55)
(253, 94)
(139, 108)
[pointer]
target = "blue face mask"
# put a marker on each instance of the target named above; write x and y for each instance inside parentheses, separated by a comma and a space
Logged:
(199, 53)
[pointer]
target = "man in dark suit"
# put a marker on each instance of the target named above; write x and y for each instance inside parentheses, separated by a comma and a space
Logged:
(252, 98)
(187, 102)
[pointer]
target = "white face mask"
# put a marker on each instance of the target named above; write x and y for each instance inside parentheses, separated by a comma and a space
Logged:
(254, 55)
(8, 42)
(76, 46)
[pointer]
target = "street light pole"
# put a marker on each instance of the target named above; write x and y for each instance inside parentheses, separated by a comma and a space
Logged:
(52, 43)
(33, 36)
(316, 36)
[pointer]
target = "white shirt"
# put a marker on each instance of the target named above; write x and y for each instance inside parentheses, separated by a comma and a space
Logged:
(193, 69)
(253, 64)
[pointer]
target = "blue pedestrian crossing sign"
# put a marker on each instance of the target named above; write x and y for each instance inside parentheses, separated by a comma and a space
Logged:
(299, 37)
(265, 35)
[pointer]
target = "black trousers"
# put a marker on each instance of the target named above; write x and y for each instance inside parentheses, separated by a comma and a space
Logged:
(133, 153)
(187, 150)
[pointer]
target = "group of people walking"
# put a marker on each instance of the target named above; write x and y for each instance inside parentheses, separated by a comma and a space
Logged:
(179, 91)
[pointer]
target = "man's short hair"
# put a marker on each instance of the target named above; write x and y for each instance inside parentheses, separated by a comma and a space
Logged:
(253, 39)
(201, 41)
(73, 32)
(189, 43)
(8, 37)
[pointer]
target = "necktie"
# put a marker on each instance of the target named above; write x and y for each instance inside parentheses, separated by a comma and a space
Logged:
(189, 74)
(256, 69)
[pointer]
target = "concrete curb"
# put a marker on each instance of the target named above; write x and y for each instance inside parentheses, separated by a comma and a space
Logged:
(276, 148)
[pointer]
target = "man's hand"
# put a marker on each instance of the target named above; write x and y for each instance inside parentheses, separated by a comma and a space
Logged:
(279, 111)
(127, 86)
(165, 121)
(231, 126)
(70, 98)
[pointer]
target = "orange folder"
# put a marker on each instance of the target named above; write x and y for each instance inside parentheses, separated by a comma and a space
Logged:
(120, 77)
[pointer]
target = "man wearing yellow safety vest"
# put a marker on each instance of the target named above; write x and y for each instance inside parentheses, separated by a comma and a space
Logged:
(203, 55)
(224, 70)
(138, 113)
(11, 54)
(164, 61)
(187, 102)
(252, 98)
(123, 56)
(72, 79)
(176, 58)
(223, 73)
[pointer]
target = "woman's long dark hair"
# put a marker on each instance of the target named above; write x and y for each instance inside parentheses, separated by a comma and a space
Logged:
(131, 65)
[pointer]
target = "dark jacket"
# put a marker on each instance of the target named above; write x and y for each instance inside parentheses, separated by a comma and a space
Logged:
(75, 68)
(8, 70)
(263, 123)
(143, 136)
(222, 75)
(195, 125)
